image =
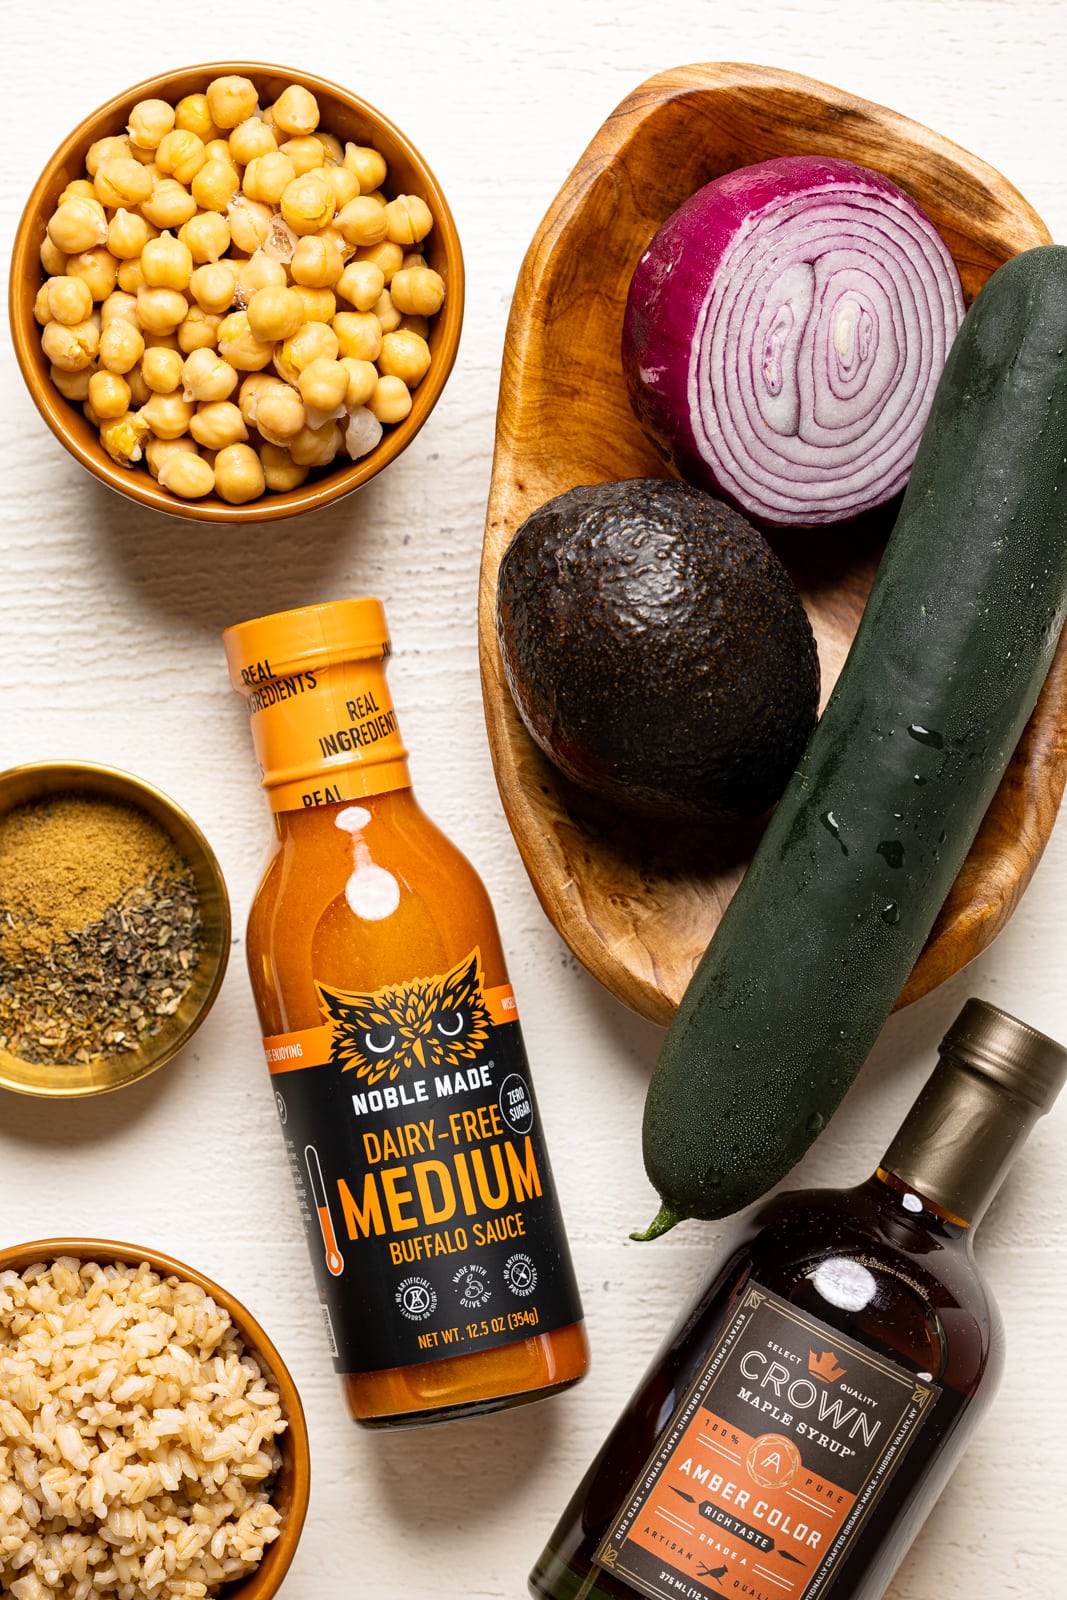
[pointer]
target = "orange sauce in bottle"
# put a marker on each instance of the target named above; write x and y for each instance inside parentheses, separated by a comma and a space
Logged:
(393, 1040)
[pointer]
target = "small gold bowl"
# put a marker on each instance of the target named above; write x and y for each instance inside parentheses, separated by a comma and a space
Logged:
(292, 1485)
(67, 1080)
(350, 119)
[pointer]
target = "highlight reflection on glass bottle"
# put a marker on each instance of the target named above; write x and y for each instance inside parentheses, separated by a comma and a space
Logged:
(800, 1421)
(392, 1036)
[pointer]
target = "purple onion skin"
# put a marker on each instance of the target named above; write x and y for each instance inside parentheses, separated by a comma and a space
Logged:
(672, 282)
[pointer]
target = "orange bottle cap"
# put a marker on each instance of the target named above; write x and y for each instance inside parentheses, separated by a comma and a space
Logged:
(322, 717)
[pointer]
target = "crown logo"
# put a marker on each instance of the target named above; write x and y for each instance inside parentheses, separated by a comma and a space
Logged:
(825, 1366)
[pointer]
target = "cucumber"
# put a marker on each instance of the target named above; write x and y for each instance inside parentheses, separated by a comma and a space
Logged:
(954, 644)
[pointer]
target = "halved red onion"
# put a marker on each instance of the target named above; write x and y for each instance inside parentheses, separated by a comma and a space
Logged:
(784, 334)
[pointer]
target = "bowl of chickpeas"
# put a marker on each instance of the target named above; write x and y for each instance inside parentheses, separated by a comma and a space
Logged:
(236, 292)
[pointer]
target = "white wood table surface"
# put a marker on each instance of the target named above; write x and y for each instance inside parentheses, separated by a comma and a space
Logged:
(109, 649)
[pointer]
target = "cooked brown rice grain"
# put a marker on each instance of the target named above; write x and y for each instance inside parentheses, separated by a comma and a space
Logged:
(138, 1438)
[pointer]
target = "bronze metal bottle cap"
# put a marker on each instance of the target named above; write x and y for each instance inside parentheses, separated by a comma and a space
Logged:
(1017, 1056)
(996, 1076)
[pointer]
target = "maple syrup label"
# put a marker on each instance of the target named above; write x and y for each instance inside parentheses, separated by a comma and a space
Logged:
(419, 1163)
(771, 1464)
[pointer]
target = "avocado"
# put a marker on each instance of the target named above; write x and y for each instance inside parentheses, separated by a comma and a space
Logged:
(657, 650)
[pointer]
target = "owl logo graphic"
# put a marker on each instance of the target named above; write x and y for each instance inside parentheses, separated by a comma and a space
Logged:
(437, 1022)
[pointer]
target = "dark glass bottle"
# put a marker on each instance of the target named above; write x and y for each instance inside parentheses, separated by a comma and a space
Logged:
(797, 1426)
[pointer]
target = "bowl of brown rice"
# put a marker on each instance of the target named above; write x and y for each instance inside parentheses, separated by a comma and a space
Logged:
(152, 1442)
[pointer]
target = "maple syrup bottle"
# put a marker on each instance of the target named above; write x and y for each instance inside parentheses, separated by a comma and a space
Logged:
(392, 1038)
(800, 1421)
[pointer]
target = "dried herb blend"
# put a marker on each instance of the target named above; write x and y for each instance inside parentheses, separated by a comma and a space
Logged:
(99, 928)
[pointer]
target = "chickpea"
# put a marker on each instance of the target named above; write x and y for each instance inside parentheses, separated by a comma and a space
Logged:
(123, 437)
(199, 331)
(109, 394)
(127, 234)
(409, 219)
(188, 476)
(168, 415)
(207, 236)
(78, 189)
(388, 255)
(391, 400)
(417, 291)
(77, 224)
(307, 203)
(239, 346)
(344, 185)
(323, 384)
(157, 451)
(160, 310)
(231, 100)
(316, 263)
(181, 154)
(406, 356)
(218, 149)
(161, 369)
(307, 155)
(98, 269)
(250, 139)
(167, 262)
(111, 146)
(362, 377)
(170, 203)
(363, 221)
(331, 144)
(72, 385)
(268, 176)
(212, 285)
(319, 304)
(140, 393)
(121, 346)
(250, 222)
(316, 447)
(130, 277)
(275, 313)
(118, 305)
(218, 423)
(193, 115)
(238, 474)
(296, 110)
(314, 341)
(122, 181)
(359, 334)
(205, 376)
(419, 325)
(67, 299)
(368, 166)
(40, 306)
(53, 259)
(280, 471)
(260, 271)
(149, 121)
(279, 413)
(215, 185)
(71, 346)
(387, 314)
(361, 284)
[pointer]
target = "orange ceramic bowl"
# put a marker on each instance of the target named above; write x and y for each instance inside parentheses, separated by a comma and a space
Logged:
(342, 114)
(293, 1483)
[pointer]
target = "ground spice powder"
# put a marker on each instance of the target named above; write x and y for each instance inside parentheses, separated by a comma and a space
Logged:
(99, 928)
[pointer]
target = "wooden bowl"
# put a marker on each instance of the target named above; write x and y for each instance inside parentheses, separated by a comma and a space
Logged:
(638, 903)
(343, 114)
(292, 1486)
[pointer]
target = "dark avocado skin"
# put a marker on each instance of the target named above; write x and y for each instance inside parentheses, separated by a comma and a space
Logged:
(657, 649)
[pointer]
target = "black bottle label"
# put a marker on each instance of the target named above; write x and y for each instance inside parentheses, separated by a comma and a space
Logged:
(420, 1166)
(770, 1466)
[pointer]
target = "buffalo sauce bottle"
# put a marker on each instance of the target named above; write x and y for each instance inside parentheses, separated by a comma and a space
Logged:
(393, 1042)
